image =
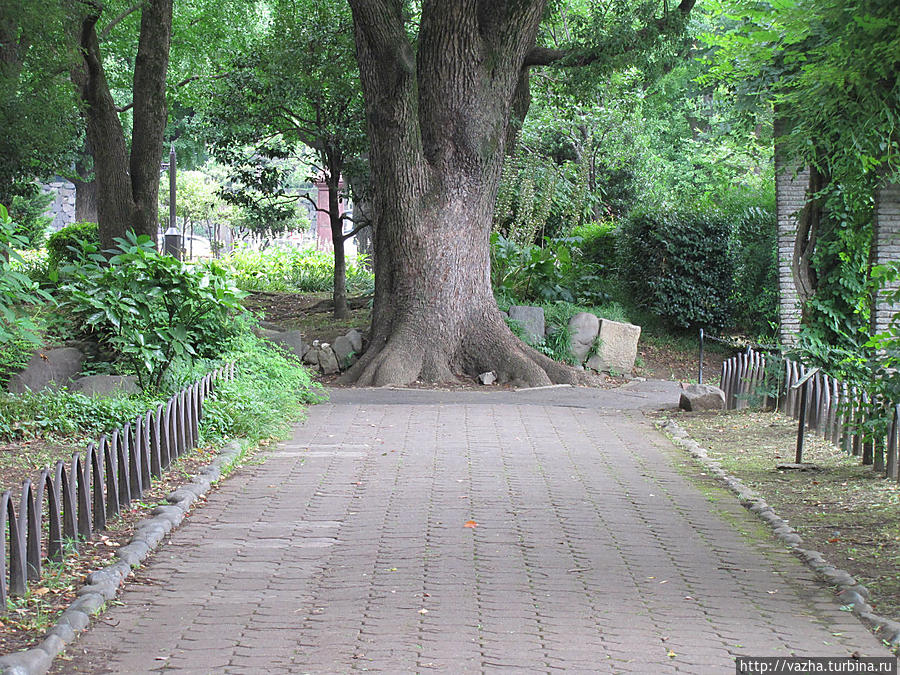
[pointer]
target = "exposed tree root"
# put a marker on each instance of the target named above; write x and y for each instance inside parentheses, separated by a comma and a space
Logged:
(408, 356)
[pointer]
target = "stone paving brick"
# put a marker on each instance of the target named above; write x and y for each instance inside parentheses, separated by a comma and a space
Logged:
(346, 551)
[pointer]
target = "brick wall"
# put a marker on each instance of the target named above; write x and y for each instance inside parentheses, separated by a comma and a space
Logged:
(790, 196)
(886, 246)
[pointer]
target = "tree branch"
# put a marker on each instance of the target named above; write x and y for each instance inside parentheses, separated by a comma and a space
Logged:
(545, 56)
(116, 21)
(315, 205)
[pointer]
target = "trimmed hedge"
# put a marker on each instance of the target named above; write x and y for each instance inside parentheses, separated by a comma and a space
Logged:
(678, 266)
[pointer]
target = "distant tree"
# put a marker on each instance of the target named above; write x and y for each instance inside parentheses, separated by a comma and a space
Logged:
(295, 93)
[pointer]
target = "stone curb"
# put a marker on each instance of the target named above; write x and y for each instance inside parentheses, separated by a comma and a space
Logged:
(102, 585)
(850, 592)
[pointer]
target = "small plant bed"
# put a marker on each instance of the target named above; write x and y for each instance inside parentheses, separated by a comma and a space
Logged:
(843, 509)
(29, 617)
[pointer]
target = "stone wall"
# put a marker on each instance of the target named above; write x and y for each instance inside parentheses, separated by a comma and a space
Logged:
(62, 208)
(790, 196)
(886, 247)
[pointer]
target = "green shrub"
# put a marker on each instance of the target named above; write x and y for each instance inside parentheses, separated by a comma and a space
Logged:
(268, 393)
(65, 244)
(598, 243)
(755, 254)
(677, 265)
(151, 309)
(548, 273)
(28, 213)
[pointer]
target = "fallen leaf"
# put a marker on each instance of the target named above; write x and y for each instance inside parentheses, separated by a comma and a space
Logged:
(671, 654)
(470, 523)
(834, 540)
(43, 590)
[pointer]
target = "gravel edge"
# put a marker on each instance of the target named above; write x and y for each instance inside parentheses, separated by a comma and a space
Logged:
(850, 592)
(103, 585)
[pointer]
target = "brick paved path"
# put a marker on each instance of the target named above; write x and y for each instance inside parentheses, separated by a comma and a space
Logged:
(346, 550)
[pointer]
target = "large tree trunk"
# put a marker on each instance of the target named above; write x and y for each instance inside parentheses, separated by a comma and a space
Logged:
(438, 124)
(127, 184)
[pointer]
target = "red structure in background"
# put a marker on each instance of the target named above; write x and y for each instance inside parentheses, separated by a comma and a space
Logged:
(324, 242)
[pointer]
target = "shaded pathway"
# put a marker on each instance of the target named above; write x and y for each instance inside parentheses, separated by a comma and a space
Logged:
(347, 550)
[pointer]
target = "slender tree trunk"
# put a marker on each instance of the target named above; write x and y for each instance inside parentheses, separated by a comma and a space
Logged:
(341, 310)
(438, 127)
(807, 236)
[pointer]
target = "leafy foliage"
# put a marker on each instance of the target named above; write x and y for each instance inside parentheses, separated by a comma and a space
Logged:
(51, 414)
(28, 214)
(677, 265)
(16, 290)
(543, 273)
(291, 269)
(65, 244)
(754, 253)
(267, 394)
(149, 308)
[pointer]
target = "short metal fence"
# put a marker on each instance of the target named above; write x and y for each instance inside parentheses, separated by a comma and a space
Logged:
(74, 499)
(842, 414)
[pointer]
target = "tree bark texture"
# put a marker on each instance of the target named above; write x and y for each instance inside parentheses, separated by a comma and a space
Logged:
(127, 183)
(438, 123)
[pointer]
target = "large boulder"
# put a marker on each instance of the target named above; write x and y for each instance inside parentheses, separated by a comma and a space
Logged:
(47, 369)
(106, 385)
(618, 347)
(531, 319)
(702, 397)
(584, 328)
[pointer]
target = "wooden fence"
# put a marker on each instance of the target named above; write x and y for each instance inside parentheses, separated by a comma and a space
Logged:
(71, 501)
(841, 414)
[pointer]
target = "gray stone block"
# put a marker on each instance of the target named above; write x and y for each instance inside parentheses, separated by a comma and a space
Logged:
(584, 328)
(290, 340)
(328, 362)
(531, 320)
(702, 397)
(618, 347)
(343, 351)
(106, 385)
(487, 378)
(356, 340)
(48, 369)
